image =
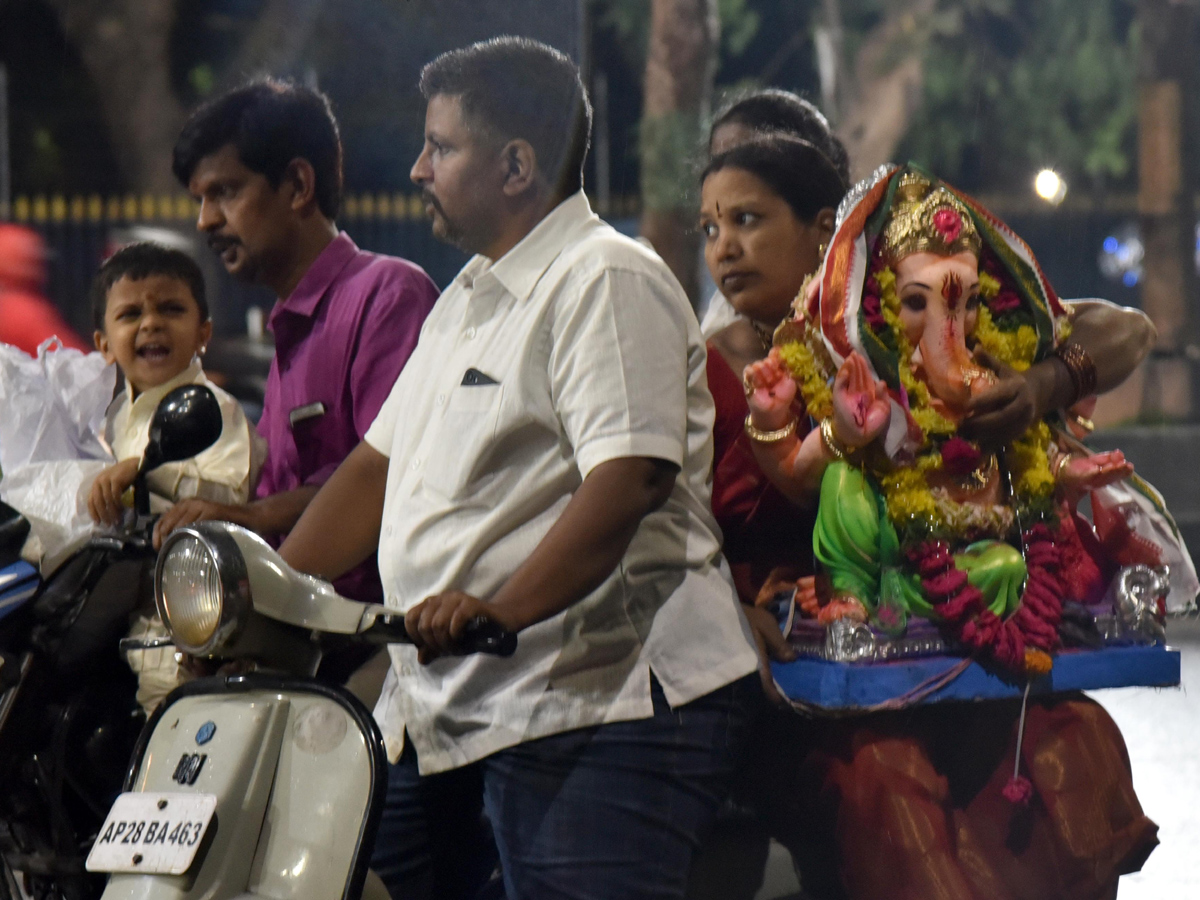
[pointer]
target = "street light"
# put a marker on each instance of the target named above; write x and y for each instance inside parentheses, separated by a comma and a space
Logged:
(1050, 187)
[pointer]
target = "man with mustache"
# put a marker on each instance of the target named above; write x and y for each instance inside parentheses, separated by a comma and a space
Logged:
(265, 163)
(543, 462)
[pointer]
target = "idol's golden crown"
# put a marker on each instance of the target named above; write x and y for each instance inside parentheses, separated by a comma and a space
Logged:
(925, 219)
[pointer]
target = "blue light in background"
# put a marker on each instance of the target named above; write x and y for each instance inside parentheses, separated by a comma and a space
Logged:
(1111, 244)
(1130, 279)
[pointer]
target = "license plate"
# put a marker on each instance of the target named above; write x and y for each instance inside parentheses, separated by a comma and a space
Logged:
(158, 834)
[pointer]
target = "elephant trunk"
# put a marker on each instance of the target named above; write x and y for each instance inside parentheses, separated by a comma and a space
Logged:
(952, 374)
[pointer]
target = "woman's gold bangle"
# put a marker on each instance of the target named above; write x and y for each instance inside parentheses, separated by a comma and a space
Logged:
(1083, 422)
(769, 437)
(836, 448)
(1081, 368)
(1060, 465)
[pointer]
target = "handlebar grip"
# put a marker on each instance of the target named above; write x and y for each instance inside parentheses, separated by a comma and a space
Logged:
(481, 635)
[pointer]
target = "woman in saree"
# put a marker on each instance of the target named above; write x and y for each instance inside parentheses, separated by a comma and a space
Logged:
(905, 804)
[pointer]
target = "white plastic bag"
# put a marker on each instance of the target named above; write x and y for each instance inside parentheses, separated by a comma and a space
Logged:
(1141, 506)
(52, 409)
(52, 406)
(53, 496)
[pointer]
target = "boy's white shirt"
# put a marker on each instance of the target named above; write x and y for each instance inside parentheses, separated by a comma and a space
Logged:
(224, 473)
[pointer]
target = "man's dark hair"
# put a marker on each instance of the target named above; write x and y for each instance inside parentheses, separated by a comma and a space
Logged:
(270, 122)
(774, 111)
(796, 171)
(141, 260)
(520, 88)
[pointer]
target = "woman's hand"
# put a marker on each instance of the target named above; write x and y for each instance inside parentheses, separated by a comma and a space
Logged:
(1079, 417)
(860, 403)
(1086, 473)
(771, 644)
(104, 501)
(770, 390)
(1005, 409)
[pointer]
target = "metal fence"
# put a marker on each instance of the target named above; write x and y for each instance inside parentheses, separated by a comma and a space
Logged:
(80, 230)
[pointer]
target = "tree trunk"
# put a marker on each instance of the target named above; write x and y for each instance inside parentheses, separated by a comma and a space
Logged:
(125, 46)
(886, 86)
(280, 33)
(680, 65)
(1166, 183)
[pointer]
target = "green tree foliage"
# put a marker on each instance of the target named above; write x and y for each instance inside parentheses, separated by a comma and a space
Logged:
(1015, 85)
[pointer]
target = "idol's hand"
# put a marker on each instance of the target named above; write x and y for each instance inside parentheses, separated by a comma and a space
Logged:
(770, 390)
(1086, 473)
(860, 403)
(842, 606)
(807, 598)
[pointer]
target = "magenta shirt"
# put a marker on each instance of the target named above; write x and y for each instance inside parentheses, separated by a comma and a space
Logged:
(341, 339)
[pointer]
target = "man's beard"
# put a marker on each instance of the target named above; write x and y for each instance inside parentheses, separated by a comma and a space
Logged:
(452, 233)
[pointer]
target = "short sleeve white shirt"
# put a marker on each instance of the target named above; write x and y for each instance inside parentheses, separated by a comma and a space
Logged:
(575, 348)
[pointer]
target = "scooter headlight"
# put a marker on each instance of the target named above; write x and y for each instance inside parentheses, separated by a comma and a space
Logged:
(201, 588)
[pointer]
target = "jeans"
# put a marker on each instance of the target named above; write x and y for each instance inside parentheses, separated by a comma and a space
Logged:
(600, 813)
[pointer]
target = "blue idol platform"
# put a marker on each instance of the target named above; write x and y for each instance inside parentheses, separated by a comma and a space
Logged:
(845, 687)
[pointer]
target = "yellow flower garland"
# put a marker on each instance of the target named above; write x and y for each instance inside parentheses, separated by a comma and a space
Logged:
(1030, 463)
(1017, 348)
(810, 376)
(989, 287)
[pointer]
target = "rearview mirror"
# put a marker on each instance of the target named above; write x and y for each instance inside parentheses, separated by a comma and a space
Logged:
(186, 423)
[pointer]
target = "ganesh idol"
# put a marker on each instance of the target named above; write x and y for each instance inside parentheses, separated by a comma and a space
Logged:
(923, 302)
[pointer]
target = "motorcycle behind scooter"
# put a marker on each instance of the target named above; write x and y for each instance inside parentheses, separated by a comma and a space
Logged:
(261, 784)
(69, 718)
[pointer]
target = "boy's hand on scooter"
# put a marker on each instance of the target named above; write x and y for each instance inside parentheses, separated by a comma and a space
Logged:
(104, 500)
(437, 623)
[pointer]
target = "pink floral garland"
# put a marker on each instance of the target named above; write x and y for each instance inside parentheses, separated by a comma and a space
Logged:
(1021, 643)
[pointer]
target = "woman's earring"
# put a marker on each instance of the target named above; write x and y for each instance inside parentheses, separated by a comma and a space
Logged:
(821, 248)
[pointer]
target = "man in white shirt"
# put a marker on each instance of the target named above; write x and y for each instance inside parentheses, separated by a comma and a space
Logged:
(543, 462)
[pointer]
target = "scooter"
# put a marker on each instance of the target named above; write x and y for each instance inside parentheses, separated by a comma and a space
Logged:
(259, 784)
(68, 712)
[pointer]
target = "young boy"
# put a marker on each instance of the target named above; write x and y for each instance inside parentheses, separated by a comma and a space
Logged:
(152, 320)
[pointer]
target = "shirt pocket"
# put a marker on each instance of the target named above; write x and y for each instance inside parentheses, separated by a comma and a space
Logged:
(317, 444)
(457, 456)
